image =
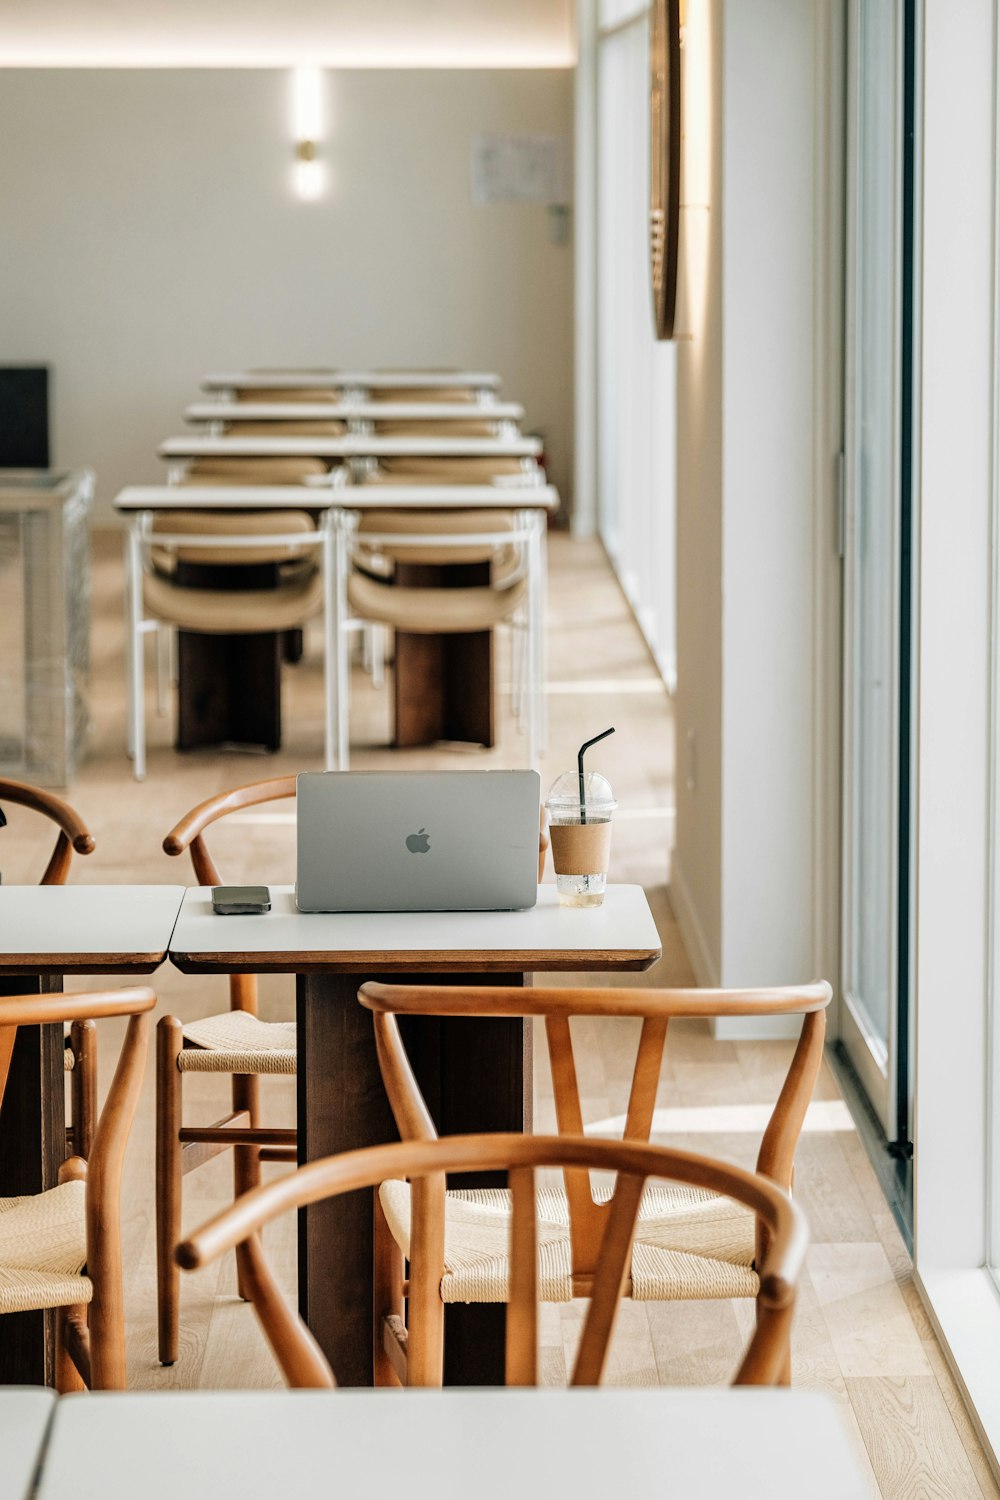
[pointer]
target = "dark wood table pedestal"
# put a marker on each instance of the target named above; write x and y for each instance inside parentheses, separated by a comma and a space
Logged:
(443, 684)
(229, 686)
(475, 1074)
(32, 1149)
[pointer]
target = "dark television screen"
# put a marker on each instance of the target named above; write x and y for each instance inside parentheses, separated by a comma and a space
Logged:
(24, 417)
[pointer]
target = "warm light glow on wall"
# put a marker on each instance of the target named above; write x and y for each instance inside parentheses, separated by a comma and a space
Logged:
(308, 127)
(696, 173)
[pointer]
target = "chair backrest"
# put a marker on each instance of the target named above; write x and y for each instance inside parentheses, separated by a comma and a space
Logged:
(253, 470)
(280, 427)
(425, 394)
(655, 1009)
(422, 527)
(425, 1164)
(267, 524)
(73, 832)
(188, 835)
(475, 469)
(286, 394)
(104, 1164)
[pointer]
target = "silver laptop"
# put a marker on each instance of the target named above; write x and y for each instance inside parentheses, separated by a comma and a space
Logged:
(417, 840)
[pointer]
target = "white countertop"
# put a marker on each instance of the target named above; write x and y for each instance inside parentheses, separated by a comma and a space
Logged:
(666, 1444)
(86, 929)
(24, 1419)
(619, 934)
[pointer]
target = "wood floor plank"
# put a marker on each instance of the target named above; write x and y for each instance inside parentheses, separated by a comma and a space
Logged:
(865, 1314)
(915, 1450)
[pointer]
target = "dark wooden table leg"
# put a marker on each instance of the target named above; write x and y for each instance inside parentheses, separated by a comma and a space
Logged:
(228, 686)
(476, 1075)
(32, 1149)
(443, 684)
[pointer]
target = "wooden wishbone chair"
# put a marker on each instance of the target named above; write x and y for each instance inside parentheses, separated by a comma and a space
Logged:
(237, 1043)
(686, 1248)
(416, 1352)
(80, 1054)
(62, 1248)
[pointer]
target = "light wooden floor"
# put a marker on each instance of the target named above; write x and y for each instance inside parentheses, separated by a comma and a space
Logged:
(861, 1333)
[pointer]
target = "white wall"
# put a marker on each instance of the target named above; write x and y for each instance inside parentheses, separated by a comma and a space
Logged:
(150, 234)
(755, 494)
(257, 33)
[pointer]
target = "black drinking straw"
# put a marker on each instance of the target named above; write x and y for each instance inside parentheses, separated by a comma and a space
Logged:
(579, 765)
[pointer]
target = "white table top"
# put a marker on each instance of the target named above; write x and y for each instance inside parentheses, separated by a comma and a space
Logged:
(349, 496)
(86, 929)
(373, 380)
(195, 446)
(367, 411)
(754, 1444)
(24, 1420)
(621, 934)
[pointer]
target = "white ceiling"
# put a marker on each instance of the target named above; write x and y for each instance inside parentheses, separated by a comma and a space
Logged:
(277, 33)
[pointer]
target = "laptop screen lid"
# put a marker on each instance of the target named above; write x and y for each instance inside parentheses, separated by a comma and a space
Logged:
(417, 840)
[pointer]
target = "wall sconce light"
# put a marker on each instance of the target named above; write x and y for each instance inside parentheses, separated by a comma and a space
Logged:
(309, 174)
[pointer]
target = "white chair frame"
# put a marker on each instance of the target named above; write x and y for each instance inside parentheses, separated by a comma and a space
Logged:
(140, 538)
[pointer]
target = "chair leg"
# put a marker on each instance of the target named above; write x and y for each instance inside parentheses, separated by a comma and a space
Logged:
(169, 1041)
(136, 704)
(68, 1377)
(83, 1087)
(246, 1167)
(387, 1293)
(162, 669)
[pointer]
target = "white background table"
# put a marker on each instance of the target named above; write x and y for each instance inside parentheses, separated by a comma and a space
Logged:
(143, 497)
(352, 445)
(746, 1444)
(476, 1074)
(352, 411)
(24, 1420)
(482, 381)
(47, 931)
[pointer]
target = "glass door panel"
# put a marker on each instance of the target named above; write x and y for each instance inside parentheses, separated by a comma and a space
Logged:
(872, 554)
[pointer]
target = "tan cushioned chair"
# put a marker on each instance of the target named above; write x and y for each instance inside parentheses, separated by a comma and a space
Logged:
(317, 428)
(429, 522)
(225, 523)
(282, 395)
(437, 427)
(253, 470)
(443, 470)
(433, 611)
(430, 393)
(243, 612)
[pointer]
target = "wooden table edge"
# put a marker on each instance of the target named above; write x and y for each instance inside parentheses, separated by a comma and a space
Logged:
(517, 961)
(80, 963)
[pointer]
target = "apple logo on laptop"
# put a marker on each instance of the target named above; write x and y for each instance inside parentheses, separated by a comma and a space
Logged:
(418, 843)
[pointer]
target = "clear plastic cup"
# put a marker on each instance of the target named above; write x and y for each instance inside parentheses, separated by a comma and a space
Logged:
(580, 835)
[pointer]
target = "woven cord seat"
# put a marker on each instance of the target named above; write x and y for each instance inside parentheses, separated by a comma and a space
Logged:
(688, 1243)
(238, 1042)
(43, 1247)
